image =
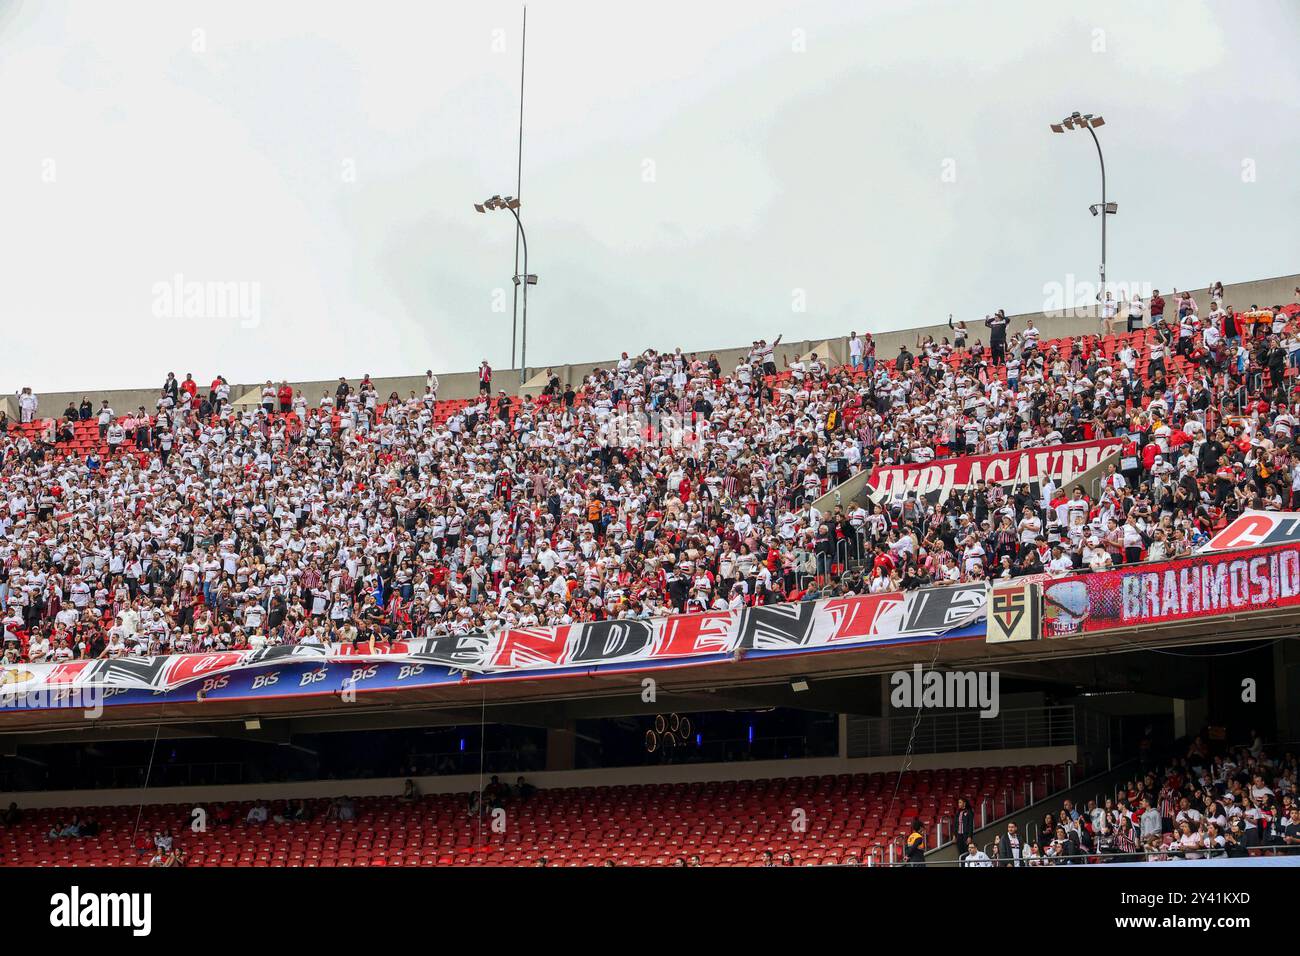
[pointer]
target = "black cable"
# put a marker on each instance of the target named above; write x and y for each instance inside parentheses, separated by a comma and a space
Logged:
(147, 774)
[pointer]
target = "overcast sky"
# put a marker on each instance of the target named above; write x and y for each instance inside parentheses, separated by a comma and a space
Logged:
(693, 173)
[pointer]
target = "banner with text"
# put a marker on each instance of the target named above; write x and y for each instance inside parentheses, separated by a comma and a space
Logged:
(828, 624)
(1231, 582)
(936, 480)
(1256, 528)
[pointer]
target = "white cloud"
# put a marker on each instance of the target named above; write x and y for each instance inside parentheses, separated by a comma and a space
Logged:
(331, 154)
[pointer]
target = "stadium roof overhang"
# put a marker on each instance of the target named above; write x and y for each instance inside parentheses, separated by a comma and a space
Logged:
(541, 700)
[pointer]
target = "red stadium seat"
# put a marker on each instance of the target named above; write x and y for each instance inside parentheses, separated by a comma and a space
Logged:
(727, 824)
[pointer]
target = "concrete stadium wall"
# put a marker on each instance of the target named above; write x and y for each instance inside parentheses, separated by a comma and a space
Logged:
(463, 783)
(1280, 290)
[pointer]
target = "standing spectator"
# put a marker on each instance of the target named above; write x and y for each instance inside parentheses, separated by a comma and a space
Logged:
(914, 848)
(1011, 850)
(27, 403)
(1134, 313)
(855, 351)
(1108, 309)
(1156, 307)
(115, 436)
(1289, 832)
(1150, 820)
(997, 324)
(963, 822)
(767, 355)
(106, 416)
(959, 333)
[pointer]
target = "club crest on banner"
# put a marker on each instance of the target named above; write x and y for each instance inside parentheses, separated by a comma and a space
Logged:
(1013, 613)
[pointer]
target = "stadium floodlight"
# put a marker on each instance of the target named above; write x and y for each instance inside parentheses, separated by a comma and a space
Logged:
(1090, 122)
(253, 724)
(799, 685)
(511, 205)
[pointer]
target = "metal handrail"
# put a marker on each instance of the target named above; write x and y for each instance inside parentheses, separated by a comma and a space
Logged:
(967, 731)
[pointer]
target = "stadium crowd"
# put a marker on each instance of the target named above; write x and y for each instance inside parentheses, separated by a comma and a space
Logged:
(663, 483)
(1238, 802)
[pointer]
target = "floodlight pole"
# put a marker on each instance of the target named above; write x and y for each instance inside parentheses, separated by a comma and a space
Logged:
(1089, 121)
(523, 330)
(511, 205)
(1101, 295)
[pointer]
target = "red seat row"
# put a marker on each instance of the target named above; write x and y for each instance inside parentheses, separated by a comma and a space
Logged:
(726, 823)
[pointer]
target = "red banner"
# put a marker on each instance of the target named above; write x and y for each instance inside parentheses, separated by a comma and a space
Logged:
(936, 480)
(804, 626)
(1201, 587)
